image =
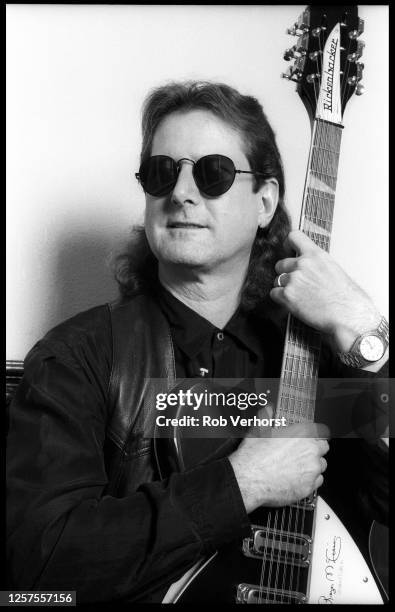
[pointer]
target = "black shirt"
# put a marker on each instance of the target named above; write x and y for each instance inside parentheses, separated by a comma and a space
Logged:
(247, 347)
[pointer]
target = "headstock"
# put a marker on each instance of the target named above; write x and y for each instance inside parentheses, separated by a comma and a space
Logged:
(325, 59)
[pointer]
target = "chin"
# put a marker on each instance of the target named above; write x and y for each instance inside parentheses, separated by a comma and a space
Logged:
(189, 255)
(183, 258)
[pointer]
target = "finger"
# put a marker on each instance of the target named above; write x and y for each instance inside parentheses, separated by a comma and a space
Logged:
(322, 431)
(319, 481)
(277, 295)
(300, 243)
(286, 265)
(323, 446)
(324, 464)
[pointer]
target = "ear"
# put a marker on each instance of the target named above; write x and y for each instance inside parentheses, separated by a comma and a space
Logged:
(268, 196)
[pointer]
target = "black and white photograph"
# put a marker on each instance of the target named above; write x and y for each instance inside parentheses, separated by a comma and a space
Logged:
(197, 384)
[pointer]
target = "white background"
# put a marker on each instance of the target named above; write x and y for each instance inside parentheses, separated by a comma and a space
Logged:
(76, 78)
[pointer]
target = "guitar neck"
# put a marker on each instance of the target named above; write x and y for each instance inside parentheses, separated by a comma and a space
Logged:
(320, 186)
(299, 372)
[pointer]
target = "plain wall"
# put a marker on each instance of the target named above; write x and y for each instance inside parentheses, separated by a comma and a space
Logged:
(76, 78)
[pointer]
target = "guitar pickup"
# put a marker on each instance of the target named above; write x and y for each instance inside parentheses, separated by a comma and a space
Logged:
(253, 594)
(277, 545)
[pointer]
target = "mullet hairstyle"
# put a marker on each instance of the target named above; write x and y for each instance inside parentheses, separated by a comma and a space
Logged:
(136, 268)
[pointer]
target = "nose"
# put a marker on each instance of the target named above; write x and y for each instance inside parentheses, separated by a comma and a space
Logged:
(185, 190)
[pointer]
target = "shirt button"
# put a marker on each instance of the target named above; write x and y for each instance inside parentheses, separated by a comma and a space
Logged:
(220, 336)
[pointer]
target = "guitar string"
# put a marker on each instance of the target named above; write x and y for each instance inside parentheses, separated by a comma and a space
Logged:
(291, 408)
(291, 561)
(323, 206)
(264, 595)
(317, 204)
(292, 380)
(278, 512)
(264, 559)
(300, 340)
(326, 167)
(273, 530)
(265, 564)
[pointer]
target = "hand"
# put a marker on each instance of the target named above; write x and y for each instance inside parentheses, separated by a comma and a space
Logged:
(279, 471)
(316, 290)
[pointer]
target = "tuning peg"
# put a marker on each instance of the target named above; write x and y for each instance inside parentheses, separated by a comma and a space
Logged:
(360, 66)
(294, 53)
(360, 89)
(316, 32)
(343, 22)
(361, 26)
(312, 77)
(360, 47)
(353, 57)
(291, 75)
(289, 53)
(355, 33)
(300, 26)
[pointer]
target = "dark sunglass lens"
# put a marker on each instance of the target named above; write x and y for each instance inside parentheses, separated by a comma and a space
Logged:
(214, 174)
(158, 175)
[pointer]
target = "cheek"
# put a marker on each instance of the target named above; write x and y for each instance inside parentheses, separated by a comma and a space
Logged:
(152, 215)
(239, 215)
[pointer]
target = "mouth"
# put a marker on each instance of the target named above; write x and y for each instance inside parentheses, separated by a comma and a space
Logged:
(185, 225)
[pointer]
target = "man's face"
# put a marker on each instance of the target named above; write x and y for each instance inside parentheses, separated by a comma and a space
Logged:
(225, 226)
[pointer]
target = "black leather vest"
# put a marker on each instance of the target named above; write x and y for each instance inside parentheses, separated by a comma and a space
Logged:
(142, 349)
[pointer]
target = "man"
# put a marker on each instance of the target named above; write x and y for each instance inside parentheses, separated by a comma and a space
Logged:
(202, 295)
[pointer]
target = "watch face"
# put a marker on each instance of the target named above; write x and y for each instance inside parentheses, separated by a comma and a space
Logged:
(371, 348)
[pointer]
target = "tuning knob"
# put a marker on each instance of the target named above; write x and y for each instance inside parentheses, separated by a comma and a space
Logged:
(360, 47)
(312, 77)
(291, 75)
(360, 89)
(289, 53)
(299, 27)
(353, 57)
(361, 26)
(316, 32)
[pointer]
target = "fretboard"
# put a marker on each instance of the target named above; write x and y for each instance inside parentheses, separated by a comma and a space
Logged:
(297, 391)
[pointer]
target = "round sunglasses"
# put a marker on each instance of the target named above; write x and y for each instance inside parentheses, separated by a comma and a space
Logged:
(213, 174)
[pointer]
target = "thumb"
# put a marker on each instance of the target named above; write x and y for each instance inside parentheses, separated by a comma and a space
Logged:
(300, 243)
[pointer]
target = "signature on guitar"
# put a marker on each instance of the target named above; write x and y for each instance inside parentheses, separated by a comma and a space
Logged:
(333, 570)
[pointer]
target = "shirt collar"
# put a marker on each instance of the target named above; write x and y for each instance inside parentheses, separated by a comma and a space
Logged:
(191, 331)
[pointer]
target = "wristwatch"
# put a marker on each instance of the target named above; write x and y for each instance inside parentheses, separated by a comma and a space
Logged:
(368, 347)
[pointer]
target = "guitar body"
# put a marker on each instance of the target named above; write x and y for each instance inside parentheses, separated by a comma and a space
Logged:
(307, 558)
(339, 573)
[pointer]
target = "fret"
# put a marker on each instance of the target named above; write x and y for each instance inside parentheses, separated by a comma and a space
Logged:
(299, 371)
(320, 240)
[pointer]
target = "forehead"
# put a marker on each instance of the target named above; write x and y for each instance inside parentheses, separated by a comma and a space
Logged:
(196, 133)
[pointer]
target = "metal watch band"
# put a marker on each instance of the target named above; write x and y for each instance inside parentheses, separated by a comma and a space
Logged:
(383, 329)
(356, 360)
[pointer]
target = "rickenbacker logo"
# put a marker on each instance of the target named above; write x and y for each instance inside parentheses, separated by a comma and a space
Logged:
(329, 106)
(328, 75)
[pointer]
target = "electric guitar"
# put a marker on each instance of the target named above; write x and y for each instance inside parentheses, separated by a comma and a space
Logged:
(300, 553)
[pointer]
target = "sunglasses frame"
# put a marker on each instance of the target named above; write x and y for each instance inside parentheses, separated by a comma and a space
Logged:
(177, 163)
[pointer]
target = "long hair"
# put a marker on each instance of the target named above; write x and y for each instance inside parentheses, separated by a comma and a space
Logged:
(136, 268)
